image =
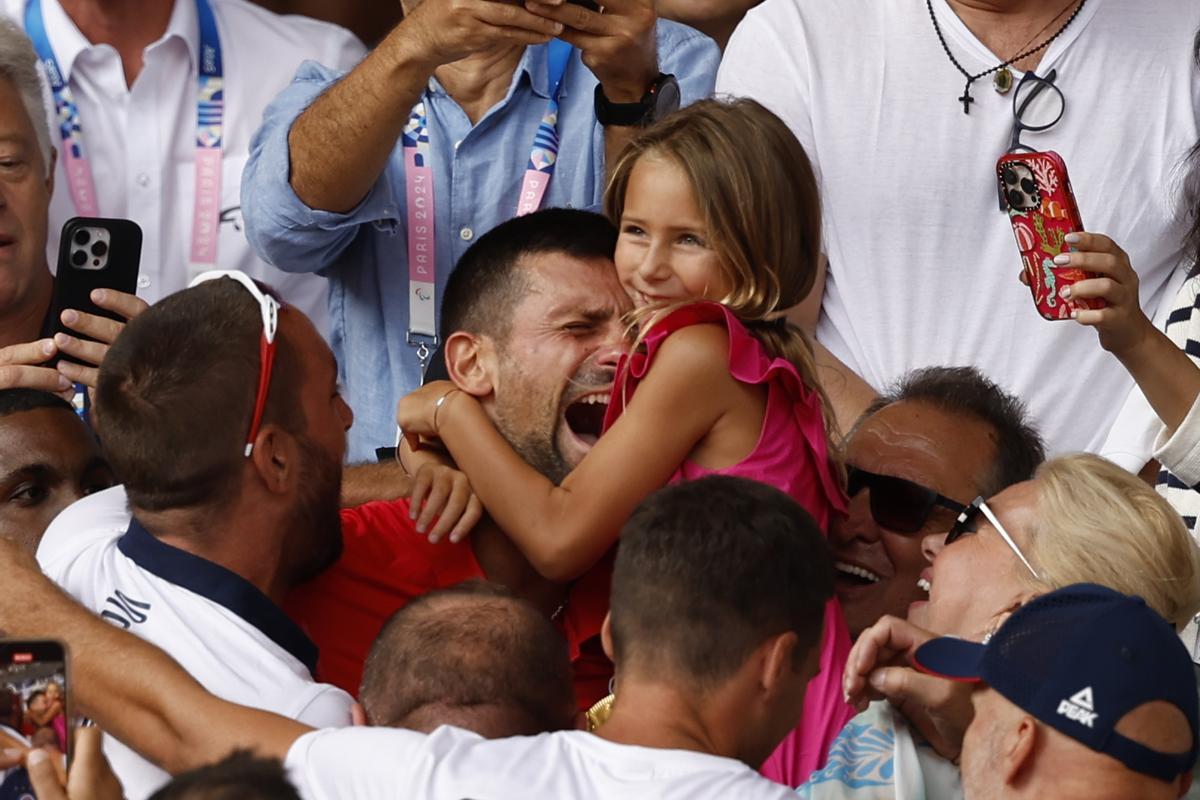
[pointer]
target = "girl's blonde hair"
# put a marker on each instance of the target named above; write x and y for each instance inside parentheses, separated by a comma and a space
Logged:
(758, 196)
(1097, 523)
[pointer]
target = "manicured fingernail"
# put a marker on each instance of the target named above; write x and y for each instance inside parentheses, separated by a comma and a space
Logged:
(99, 295)
(48, 346)
(1072, 238)
(37, 756)
(1062, 258)
(558, 27)
(61, 339)
(70, 317)
(1074, 315)
(876, 680)
(1065, 294)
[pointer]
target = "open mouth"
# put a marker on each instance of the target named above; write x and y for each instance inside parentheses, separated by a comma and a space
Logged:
(923, 583)
(585, 416)
(854, 574)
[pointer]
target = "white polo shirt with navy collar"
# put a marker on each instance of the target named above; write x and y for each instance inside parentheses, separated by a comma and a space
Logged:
(232, 639)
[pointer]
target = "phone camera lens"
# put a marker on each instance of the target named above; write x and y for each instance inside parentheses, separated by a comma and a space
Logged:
(82, 237)
(99, 249)
(1028, 186)
(1016, 199)
(1010, 176)
(79, 258)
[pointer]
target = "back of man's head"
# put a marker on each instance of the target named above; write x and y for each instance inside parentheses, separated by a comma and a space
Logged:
(472, 656)
(707, 571)
(240, 776)
(487, 282)
(966, 392)
(176, 393)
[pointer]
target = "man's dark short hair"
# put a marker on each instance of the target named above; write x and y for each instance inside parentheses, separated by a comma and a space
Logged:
(966, 392)
(176, 393)
(240, 776)
(707, 570)
(470, 645)
(14, 401)
(487, 283)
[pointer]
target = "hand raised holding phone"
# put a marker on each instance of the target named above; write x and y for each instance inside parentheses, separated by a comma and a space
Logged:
(1121, 323)
(443, 31)
(31, 365)
(616, 42)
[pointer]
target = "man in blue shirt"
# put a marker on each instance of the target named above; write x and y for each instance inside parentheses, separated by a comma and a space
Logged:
(327, 187)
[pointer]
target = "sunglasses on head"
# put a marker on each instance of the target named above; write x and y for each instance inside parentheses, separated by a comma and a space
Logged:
(968, 522)
(897, 504)
(269, 306)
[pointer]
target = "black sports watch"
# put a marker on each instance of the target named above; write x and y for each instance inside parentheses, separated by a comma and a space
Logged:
(660, 99)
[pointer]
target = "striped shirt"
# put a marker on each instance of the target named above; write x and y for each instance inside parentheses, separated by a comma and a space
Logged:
(1179, 453)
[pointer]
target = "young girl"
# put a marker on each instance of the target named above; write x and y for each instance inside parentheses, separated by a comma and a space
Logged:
(719, 223)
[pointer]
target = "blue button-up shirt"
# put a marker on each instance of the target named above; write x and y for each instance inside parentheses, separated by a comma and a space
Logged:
(477, 176)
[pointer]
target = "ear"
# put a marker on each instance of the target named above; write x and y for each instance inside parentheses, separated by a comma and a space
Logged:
(1017, 751)
(470, 360)
(276, 459)
(606, 636)
(776, 665)
(358, 715)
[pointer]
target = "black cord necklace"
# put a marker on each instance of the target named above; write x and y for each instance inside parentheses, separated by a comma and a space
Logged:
(1001, 86)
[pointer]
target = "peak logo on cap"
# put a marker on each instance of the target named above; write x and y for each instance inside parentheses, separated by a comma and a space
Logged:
(1080, 707)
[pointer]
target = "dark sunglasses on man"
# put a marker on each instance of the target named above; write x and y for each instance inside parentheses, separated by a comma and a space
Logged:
(897, 504)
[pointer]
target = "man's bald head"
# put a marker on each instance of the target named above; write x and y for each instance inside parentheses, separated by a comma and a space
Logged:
(472, 656)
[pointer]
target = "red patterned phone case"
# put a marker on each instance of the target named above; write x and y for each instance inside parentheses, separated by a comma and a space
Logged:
(1041, 206)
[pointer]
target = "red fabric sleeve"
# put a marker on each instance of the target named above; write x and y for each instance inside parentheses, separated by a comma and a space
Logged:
(384, 564)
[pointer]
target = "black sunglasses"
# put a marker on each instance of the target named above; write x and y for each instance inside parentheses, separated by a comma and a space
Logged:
(897, 504)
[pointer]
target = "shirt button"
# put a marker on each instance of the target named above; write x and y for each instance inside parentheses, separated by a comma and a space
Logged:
(466, 234)
(143, 179)
(143, 282)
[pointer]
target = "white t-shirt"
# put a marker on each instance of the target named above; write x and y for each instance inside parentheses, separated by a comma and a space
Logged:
(227, 634)
(923, 265)
(142, 141)
(453, 764)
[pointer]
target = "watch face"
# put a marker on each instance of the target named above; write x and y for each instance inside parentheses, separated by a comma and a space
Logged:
(666, 99)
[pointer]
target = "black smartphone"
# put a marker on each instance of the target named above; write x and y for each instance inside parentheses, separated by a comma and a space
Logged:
(591, 5)
(94, 253)
(33, 694)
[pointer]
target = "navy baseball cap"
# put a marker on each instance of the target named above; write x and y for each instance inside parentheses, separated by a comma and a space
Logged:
(1079, 659)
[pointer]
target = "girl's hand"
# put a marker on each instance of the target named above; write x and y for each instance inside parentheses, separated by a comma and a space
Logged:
(417, 413)
(445, 493)
(1121, 324)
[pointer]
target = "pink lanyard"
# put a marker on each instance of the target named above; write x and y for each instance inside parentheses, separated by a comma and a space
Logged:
(210, 107)
(418, 178)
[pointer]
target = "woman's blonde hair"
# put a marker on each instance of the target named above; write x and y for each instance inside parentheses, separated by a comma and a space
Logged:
(758, 196)
(1097, 523)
